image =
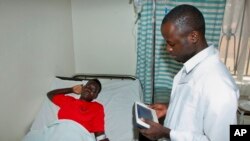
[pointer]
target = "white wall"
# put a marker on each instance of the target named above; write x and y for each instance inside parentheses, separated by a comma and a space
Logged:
(103, 36)
(35, 45)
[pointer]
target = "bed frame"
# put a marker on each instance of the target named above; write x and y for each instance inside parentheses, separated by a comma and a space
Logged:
(80, 77)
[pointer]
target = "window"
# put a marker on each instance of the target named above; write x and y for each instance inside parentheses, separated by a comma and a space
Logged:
(235, 40)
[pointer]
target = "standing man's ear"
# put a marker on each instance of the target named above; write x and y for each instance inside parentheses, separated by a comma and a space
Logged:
(193, 37)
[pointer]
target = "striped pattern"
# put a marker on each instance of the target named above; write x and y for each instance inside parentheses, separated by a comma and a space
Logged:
(165, 67)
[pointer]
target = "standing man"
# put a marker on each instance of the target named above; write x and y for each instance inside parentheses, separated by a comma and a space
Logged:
(204, 96)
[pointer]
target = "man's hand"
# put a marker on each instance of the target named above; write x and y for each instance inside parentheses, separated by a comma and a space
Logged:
(156, 130)
(78, 89)
(160, 108)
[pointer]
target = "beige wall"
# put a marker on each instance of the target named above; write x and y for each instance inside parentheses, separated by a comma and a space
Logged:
(103, 36)
(35, 45)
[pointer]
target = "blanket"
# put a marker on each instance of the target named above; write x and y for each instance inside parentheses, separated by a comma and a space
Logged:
(60, 130)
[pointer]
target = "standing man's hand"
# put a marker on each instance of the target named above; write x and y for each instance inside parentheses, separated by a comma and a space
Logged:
(78, 89)
(160, 108)
(156, 130)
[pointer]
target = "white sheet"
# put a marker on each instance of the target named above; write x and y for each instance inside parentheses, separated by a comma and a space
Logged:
(60, 130)
(117, 96)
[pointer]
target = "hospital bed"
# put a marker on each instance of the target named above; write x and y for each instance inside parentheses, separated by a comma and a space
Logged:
(119, 92)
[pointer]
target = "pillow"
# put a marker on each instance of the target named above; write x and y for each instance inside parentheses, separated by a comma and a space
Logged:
(118, 98)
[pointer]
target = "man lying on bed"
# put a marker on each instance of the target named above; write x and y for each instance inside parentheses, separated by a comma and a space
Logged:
(84, 111)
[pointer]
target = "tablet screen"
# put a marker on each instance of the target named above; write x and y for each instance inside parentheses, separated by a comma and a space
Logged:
(144, 112)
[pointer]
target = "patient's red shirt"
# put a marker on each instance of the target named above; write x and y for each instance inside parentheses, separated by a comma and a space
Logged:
(88, 114)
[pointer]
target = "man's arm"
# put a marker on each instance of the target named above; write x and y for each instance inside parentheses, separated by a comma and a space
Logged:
(77, 89)
(52, 93)
(156, 130)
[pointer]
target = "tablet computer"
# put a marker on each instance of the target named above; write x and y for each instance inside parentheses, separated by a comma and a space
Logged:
(143, 111)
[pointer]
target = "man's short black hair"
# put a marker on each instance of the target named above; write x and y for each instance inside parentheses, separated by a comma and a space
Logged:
(186, 16)
(97, 82)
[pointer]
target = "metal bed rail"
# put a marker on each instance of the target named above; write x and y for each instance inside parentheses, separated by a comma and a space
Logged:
(80, 77)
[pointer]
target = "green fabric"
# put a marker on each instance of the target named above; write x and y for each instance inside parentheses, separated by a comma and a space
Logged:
(165, 67)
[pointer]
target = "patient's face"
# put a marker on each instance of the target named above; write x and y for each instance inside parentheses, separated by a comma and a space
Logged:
(90, 91)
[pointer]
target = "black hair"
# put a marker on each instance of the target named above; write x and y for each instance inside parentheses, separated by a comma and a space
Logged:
(186, 16)
(98, 83)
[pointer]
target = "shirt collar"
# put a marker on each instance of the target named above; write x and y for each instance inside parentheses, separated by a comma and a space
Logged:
(199, 57)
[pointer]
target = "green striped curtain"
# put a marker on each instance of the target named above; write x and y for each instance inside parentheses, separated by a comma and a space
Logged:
(165, 67)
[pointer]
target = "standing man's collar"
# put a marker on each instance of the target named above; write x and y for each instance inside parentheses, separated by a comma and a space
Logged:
(199, 57)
